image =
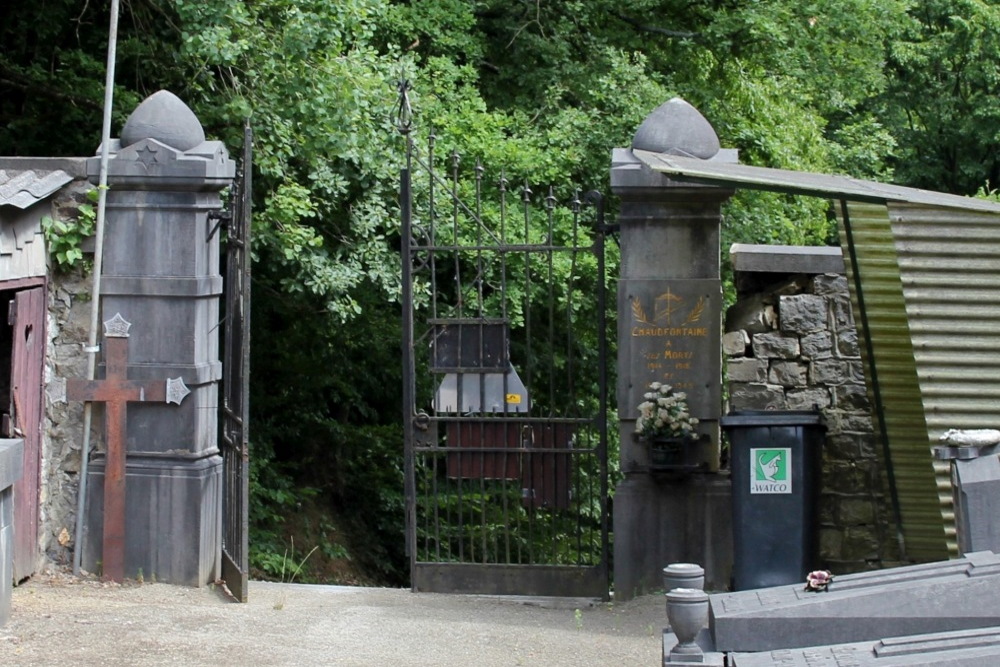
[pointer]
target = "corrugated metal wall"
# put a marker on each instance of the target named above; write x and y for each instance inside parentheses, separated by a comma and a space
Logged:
(883, 323)
(949, 262)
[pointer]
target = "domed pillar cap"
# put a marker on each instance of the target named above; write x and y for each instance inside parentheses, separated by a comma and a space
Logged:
(677, 128)
(164, 117)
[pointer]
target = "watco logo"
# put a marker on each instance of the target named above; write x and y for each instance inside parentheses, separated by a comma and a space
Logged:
(770, 470)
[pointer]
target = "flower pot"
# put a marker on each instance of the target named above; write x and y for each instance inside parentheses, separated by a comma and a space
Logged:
(673, 454)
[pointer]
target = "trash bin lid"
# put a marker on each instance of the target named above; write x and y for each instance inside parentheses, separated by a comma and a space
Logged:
(772, 418)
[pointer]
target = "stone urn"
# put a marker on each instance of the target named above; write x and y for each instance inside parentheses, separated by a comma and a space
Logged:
(683, 575)
(687, 612)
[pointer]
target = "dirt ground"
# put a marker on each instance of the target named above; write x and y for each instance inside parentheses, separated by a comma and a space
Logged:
(58, 619)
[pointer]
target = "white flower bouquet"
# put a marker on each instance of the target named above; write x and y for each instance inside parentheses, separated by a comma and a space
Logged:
(664, 413)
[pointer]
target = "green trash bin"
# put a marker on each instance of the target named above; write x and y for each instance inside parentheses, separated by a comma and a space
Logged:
(775, 459)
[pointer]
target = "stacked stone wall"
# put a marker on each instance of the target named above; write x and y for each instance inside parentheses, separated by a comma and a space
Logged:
(792, 345)
(69, 303)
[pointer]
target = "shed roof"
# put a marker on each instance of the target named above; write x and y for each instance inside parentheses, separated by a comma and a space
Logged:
(22, 188)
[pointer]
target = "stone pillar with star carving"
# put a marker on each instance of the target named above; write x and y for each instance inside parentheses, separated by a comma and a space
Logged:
(161, 273)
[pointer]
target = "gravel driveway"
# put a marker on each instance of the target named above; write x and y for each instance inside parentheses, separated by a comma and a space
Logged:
(62, 620)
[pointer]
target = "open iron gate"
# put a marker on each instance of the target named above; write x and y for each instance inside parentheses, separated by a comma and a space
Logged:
(505, 387)
(235, 406)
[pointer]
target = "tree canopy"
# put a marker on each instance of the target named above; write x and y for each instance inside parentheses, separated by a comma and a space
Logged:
(902, 90)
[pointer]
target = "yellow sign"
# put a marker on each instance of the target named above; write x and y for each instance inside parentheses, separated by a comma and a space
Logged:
(514, 399)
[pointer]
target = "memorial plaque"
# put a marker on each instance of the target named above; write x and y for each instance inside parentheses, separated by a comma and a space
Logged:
(935, 597)
(963, 648)
(671, 334)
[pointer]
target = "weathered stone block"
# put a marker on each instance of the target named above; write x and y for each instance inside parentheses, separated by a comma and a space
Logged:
(788, 373)
(847, 343)
(829, 283)
(829, 372)
(856, 371)
(851, 397)
(860, 422)
(757, 397)
(840, 446)
(775, 346)
(830, 543)
(843, 314)
(857, 512)
(807, 399)
(735, 343)
(860, 543)
(827, 508)
(802, 313)
(746, 370)
(846, 478)
(817, 345)
(753, 314)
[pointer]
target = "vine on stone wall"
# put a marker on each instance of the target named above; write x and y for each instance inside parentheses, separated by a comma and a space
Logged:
(64, 237)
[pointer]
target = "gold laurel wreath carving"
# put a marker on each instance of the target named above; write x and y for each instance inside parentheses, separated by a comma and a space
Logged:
(638, 313)
(696, 312)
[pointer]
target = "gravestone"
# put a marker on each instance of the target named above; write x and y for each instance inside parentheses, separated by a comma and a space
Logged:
(975, 480)
(669, 331)
(950, 595)
(962, 648)
(11, 468)
(161, 269)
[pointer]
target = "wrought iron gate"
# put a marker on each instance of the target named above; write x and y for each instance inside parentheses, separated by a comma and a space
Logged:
(505, 390)
(235, 381)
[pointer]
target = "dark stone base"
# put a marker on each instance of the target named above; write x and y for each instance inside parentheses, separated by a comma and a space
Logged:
(173, 519)
(676, 520)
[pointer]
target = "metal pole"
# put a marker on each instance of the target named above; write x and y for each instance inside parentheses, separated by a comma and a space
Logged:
(95, 302)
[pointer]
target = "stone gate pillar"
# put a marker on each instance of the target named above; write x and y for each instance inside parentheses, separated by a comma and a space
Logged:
(669, 330)
(161, 273)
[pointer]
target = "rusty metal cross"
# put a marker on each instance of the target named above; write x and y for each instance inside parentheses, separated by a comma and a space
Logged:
(116, 391)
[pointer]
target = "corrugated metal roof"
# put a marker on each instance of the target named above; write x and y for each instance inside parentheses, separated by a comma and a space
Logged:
(23, 187)
(949, 263)
(830, 186)
(884, 325)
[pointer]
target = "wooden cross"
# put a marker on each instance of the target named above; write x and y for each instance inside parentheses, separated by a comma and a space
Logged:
(116, 392)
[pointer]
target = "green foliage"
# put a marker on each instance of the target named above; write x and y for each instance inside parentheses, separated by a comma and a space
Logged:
(65, 237)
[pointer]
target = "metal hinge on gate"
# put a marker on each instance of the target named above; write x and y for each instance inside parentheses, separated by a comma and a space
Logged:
(219, 216)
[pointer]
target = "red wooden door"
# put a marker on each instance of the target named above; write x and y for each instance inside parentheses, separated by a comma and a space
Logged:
(27, 316)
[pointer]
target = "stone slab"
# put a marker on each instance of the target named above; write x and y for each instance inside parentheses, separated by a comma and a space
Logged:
(945, 596)
(964, 648)
(786, 259)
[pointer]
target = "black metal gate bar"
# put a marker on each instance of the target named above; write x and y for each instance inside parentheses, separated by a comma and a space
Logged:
(506, 477)
(236, 382)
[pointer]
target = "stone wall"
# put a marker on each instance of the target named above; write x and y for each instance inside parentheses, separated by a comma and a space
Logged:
(69, 303)
(791, 344)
